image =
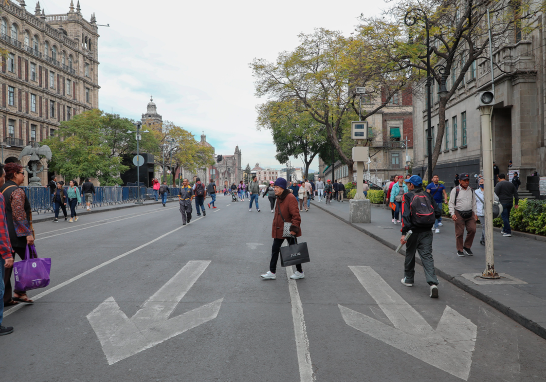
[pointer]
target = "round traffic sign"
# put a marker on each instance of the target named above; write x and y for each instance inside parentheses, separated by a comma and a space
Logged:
(138, 160)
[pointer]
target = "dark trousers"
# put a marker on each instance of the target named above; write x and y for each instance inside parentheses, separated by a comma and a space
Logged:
(421, 242)
(73, 203)
(8, 292)
(276, 250)
(185, 210)
(460, 225)
(199, 205)
(272, 201)
(398, 211)
(506, 208)
(58, 205)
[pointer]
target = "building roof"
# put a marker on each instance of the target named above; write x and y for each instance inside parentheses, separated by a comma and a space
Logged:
(257, 168)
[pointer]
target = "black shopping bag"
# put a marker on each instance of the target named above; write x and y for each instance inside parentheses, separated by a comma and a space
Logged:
(294, 254)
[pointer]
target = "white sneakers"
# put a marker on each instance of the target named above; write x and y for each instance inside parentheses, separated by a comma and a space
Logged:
(406, 283)
(433, 291)
(250, 210)
(507, 235)
(394, 221)
(437, 230)
(297, 275)
(272, 211)
(440, 224)
(269, 276)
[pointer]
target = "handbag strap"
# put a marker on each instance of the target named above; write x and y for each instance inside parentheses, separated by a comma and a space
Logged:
(280, 213)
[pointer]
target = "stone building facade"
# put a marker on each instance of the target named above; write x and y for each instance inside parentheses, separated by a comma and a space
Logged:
(228, 171)
(49, 76)
(265, 175)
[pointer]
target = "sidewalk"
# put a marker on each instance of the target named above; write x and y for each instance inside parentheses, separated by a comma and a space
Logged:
(521, 294)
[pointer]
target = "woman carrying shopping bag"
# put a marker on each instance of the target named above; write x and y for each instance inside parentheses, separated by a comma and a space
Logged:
(73, 199)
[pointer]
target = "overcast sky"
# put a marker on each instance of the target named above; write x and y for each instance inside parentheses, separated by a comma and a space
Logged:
(193, 57)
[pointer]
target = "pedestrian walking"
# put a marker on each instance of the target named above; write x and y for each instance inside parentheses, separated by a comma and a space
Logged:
(439, 194)
(73, 195)
(185, 196)
(463, 211)
(302, 196)
(419, 212)
(394, 180)
(496, 172)
(163, 191)
(340, 191)
(241, 191)
(88, 191)
(313, 189)
(155, 186)
(320, 189)
(254, 190)
(200, 194)
(480, 207)
(285, 212)
(328, 191)
(295, 190)
(211, 190)
(516, 181)
(366, 188)
(507, 192)
(6, 257)
(397, 193)
(19, 221)
(309, 189)
(270, 192)
(52, 185)
(335, 189)
(456, 182)
(59, 202)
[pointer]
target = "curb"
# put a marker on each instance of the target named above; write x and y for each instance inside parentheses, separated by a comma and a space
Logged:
(116, 208)
(506, 310)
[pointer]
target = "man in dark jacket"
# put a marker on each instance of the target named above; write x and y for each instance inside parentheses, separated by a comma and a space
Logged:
(516, 181)
(340, 192)
(421, 236)
(200, 194)
(185, 196)
(88, 189)
(506, 192)
(163, 190)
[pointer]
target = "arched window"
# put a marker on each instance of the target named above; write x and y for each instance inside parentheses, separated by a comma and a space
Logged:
(89, 44)
(85, 43)
(63, 59)
(46, 49)
(14, 34)
(70, 62)
(4, 27)
(54, 52)
(35, 45)
(27, 39)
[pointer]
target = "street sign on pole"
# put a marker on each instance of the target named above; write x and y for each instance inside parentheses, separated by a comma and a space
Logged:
(360, 90)
(138, 160)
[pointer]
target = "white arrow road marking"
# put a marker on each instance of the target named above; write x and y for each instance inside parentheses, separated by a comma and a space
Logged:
(254, 245)
(122, 337)
(448, 348)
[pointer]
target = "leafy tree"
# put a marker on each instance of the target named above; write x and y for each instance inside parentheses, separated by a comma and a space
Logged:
(246, 172)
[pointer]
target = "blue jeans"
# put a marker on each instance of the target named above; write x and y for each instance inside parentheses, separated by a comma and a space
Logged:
(199, 204)
(213, 197)
(439, 220)
(2, 262)
(398, 210)
(366, 194)
(164, 198)
(308, 201)
(155, 195)
(256, 198)
(56, 207)
(506, 208)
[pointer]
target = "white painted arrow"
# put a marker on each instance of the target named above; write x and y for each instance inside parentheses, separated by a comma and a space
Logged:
(122, 337)
(448, 348)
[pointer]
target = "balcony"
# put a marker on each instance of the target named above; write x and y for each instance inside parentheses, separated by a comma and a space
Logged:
(14, 142)
(11, 41)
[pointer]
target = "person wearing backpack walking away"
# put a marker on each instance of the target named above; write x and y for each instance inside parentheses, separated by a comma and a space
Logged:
(419, 212)
(59, 200)
(480, 209)
(397, 196)
(286, 211)
(163, 190)
(185, 196)
(328, 191)
(463, 211)
(155, 187)
(439, 194)
(507, 192)
(74, 198)
(516, 181)
(200, 195)
(270, 192)
(88, 190)
(254, 190)
(320, 189)
(211, 190)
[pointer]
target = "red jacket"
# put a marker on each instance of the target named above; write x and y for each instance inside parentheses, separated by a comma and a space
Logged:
(288, 206)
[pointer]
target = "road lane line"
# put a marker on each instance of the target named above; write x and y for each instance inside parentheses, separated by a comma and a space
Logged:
(76, 278)
(300, 331)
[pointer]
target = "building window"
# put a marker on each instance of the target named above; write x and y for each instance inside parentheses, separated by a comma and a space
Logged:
(4, 29)
(52, 132)
(68, 113)
(473, 70)
(33, 72)
(86, 69)
(63, 59)
(52, 80)
(11, 62)
(70, 62)
(11, 96)
(33, 102)
(35, 44)
(395, 160)
(395, 134)
(394, 99)
(463, 126)
(11, 128)
(33, 133)
(46, 49)
(453, 76)
(14, 34)
(52, 109)
(447, 135)
(27, 40)
(68, 86)
(87, 96)
(54, 52)
(454, 127)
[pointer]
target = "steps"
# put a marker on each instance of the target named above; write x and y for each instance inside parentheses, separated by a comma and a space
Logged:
(525, 195)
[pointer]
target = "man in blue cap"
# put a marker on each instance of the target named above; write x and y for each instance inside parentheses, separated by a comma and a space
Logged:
(419, 212)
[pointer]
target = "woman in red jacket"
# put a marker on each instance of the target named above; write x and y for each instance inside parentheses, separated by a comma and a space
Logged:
(287, 205)
(156, 185)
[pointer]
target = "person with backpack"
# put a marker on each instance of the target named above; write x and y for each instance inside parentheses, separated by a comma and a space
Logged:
(328, 189)
(507, 193)
(419, 212)
(200, 195)
(340, 191)
(464, 212)
(254, 189)
(397, 193)
(387, 190)
(439, 194)
(185, 196)
(163, 190)
(211, 190)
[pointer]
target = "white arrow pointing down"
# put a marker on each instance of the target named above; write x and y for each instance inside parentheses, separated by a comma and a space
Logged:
(122, 337)
(448, 348)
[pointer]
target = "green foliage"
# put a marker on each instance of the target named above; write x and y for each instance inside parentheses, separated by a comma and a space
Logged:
(350, 186)
(530, 216)
(425, 183)
(376, 196)
(351, 193)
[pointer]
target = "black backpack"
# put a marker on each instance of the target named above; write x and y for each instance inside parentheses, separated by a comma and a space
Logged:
(422, 210)
(199, 190)
(210, 188)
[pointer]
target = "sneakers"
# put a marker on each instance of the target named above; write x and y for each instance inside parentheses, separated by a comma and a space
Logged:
(482, 242)
(163, 204)
(71, 220)
(433, 291)
(440, 224)
(5, 330)
(507, 235)
(55, 220)
(65, 218)
(250, 210)
(183, 223)
(208, 205)
(269, 276)
(394, 221)
(76, 219)
(259, 210)
(399, 221)
(468, 252)
(437, 230)
(272, 211)
(502, 232)
(204, 213)
(460, 254)
(408, 284)
(214, 207)
(297, 275)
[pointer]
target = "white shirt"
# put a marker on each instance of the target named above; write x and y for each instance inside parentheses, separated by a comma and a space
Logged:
(466, 200)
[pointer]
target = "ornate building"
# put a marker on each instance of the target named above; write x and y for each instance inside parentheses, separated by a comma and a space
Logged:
(50, 73)
(265, 175)
(152, 117)
(228, 170)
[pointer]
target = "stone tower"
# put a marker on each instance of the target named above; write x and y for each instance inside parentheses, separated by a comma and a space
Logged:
(152, 117)
(238, 158)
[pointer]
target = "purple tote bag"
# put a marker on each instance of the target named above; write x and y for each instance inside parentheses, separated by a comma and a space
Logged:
(31, 273)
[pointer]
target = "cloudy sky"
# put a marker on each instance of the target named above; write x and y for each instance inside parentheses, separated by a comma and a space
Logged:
(193, 57)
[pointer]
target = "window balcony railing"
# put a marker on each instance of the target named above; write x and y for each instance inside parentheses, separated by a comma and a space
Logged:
(11, 41)
(14, 142)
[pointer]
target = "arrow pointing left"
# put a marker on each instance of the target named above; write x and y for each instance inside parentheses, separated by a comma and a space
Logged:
(122, 337)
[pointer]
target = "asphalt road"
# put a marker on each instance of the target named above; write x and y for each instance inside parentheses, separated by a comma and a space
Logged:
(356, 321)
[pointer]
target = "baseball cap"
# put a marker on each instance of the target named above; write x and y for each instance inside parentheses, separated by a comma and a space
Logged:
(464, 176)
(415, 180)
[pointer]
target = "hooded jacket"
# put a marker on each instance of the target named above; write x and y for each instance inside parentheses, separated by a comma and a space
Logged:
(288, 206)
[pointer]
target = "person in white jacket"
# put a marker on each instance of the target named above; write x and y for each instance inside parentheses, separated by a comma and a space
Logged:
(302, 196)
(480, 198)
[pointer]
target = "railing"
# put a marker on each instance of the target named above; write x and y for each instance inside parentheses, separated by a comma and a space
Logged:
(11, 41)
(14, 142)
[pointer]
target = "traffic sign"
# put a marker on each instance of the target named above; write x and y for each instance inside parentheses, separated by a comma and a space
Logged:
(138, 160)
(360, 90)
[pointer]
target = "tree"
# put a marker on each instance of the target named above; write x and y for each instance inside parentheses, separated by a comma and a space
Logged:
(246, 172)
(295, 133)
(321, 75)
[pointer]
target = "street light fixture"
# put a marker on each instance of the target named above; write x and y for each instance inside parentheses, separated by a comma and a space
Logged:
(138, 126)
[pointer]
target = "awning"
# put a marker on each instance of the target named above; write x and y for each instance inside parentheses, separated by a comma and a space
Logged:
(326, 168)
(395, 132)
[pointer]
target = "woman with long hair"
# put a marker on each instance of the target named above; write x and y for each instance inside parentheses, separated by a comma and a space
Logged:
(74, 198)
(59, 201)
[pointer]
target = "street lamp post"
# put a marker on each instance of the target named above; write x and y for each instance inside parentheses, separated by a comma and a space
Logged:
(138, 126)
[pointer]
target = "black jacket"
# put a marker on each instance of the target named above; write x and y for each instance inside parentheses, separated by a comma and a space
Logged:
(406, 212)
(506, 192)
(88, 188)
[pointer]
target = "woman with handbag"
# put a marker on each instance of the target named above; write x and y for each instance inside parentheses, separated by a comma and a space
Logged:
(19, 219)
(286, 225)
(397, 194)
(59, 201)
(74, 198)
